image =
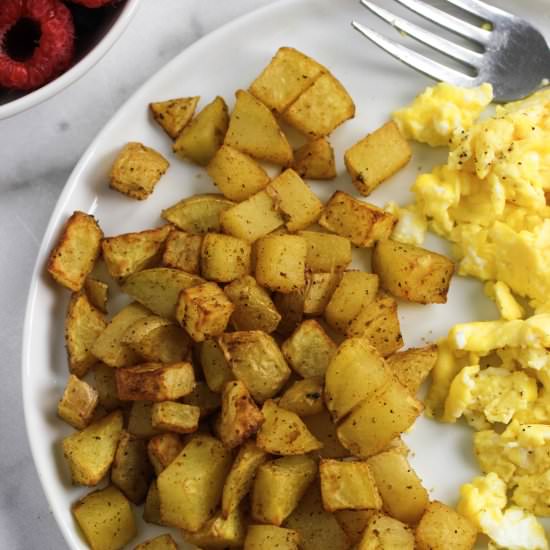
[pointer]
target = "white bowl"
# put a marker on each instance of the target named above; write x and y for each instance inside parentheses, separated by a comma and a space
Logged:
(106, 37)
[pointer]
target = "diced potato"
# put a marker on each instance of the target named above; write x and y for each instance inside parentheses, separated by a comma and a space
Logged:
(412, 273)
(175, 417)
(155, 381)
(309, 350)
(243, 472)
(137, 170)
(131, 252)
(326, 252)
(355, 291)
(254, 130)
(252, 219)
(78, 404)
(173, 115)
(304, 397)
(91, 451)
(183, 251)
(315, 160)
(295, 201)
(162, 542)
(159, 288)
(254, 308)
(240, 417)
(354, 522)
(203, 136)
(386, 533)
(106, 519)
(279, 486)
(284, 433)
(162, 449)
(287, 76)
(76, 251)
(83, 325)
(256, 360)
(280, 262)
(362, 223)
(151, 508)
(198, 214)
(224, 258)
(219, 532)
(291, 308)
(323, 429)
(214, 365)
(377, 157)
(441, 528)
(190, 488)
(371, 426)
(140, 423)
(348, 486)
(105, 386)
(204, 398)
(235, 174)
(319, 290)
(321, 108)
(97, 292)
(260, 537)
(412, 366)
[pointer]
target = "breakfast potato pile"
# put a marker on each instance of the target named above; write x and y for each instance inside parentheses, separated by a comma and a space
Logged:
(253, 390)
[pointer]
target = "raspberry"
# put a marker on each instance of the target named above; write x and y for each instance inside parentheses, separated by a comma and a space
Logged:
(53, 25)
(92, 3)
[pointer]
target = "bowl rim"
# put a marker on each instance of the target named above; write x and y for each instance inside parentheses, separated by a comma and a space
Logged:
(78, 70)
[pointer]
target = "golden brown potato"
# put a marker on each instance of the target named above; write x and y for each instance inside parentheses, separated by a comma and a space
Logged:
(260, 537)
(151, 508)
(291, 308)
(198, 214)
(162, 449)
(105, 385)
(204, 399)
(315, 160)
(235, 174)
(254, 130)
(137, 170)
(215, 367)
(412, 273)
(412, 366)
(78, 403)
(387, 533)
(183, 251)
(162, 542)
(97, 292)
(304, 397)
(224, 258)
(326, 252)
(106, 519)
(377, 157)
(91, 451)
(203, 136)
(131, 252)
(362, 223)
(140, 423)
(441, 527)
(256, 360)
(319, 290)
(323, 429)
(190, 488)
(354, 522)
(175, 417)
(173, 115)
(219, 532)
(76, 251)
(279, 486)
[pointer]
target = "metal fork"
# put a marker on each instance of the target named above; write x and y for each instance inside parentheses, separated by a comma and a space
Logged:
(515, 60)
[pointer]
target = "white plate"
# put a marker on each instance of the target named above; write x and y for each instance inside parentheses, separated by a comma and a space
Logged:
(219, 64)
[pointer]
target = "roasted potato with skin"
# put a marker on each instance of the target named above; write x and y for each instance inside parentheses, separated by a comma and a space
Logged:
(183, 251)
(105, 386)
(219, 532)
(304, 397)
(173, 115)
(215, 366)
(97, 292)
(412, 366)
(260, 537)
(323, 429)
(315, 160)
(162, 449)
(224, 258)
(140, 422)
(319, 290)
(203, 398)
(175, 417)
(354, 522)
(388, 533)
(162, 542)
(291, 308)
(326, 252)
(78, 403)
(151, 508)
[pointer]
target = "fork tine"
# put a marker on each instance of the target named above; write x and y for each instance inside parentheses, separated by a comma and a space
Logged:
(417, 61)
(480, 9)
(451, 23)
(433, 40)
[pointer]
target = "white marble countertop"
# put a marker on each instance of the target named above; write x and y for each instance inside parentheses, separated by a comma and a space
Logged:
(38, 150)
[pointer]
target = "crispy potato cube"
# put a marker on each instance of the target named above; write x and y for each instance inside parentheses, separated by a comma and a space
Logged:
(296, 202)
(260, 537)
(256, 360)
(288, 75)
(163, 542)
(323, 429)
(198, 214)
(140, 423)
(377, 157)
(159, 288)
(215, 367)
(224, 258)
(371, 426)
(253, 218)
(254, 308)
(204, 311)
(97, 292)
(137, 170)
(173, 115)
(326, 252)
(190, 488)
(243, 472)
(83, 325)
(354, 522)
(412, 273)
(319, 290)
(155, 381)
(412, 366)
(280, 262)
(315, 160)
(304, 397)
(348, 486)
(204, 399)
(162, 449)
(219, 532)
(105, 386)
(203, 136)
(78, 404)
(441, 527)
(175, 417)
(309, 350)
(151, 508)
(91, 451)
(362, 223)
(240, 417)
(183, 251)
(291, 308)
(387, 533)
(106, 519)
(76, 251)
(279, 486)
(284, 433)
(254, 130)
(235, 174)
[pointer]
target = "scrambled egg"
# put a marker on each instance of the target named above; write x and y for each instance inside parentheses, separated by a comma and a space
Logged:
(411, 224)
